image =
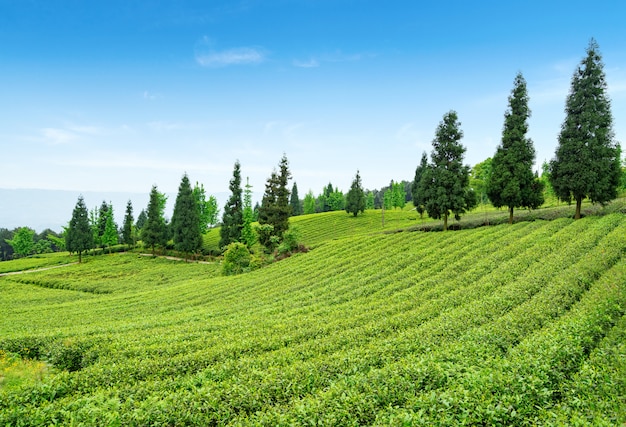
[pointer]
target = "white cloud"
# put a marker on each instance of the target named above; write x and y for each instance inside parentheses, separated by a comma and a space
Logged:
(58, 136)
(311, 63)
(235, 56)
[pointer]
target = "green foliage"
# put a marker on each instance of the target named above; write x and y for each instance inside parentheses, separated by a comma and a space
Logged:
(186, 220)
(479, 177)
(355, 200)
(23, 243)
(248, 236)
(207, 209)
(398, 196)
(417, 192)
(275, 209)
(110, 236)
(232, 219)
(512, 182)
(79, 236)
(128, 232)
(587, 158)
(154, 231)
(294, 201)
(445, 182)
(141, 219)
(290, 242)
(237, 259)
(309, 203)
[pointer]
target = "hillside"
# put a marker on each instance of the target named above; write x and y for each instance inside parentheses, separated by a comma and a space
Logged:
(516, 325)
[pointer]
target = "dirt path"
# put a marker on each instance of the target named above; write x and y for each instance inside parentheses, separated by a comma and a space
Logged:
(35, 270)
(173, 258)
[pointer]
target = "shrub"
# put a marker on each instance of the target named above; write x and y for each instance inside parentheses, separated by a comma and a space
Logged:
(237, 259)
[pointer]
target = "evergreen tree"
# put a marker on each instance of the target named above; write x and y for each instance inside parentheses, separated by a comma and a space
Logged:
(512, 182)
(355, 200)
(275, 209)
(369, 200)
(247, 233)
(232, 219)
(102, 223)
(186, 220)
(110, 236)
(296, 207)
(207, 209)
(79, 235)
(154, 232)
(587, 161)
(446, 180)
(479, 177)
(127, 228)
(141, 219)
(398, 196)
(417, 192)
(309, 203)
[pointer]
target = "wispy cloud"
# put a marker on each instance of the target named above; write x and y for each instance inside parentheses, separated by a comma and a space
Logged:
(57, 136)
(207, 56)
(333, 57)
(150, 96)
(311, 63)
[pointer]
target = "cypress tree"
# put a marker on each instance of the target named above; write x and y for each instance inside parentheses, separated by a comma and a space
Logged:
(154, 232)
(127, 228)
(417, 192)
(275, 209)
(296, 207)
(110, 236)
(355, 199)
(587, 158)
(247, 233)
(186, 220)
(232, 219)
(446, 180)
(512, 182)
(79, 236)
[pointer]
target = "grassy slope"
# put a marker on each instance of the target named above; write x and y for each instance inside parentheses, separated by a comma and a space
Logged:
(506, 324)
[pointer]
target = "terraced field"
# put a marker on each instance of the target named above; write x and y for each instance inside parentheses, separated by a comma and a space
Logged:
(502, 325)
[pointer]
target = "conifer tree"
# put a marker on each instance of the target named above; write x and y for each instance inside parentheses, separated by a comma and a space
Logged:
(110, 236)
(587, 158)
(446, 180)
(355, 200)
(417, 191)
(141, 219)
(512, 182)
(248, 236)
(186, 220)
(102, 223)
(296, 207)
(154, 232)
(232, 219)
(79, 236)
(127, 228)
(275, 209)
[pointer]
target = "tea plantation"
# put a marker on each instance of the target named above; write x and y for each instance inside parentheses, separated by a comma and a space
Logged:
(517, 324)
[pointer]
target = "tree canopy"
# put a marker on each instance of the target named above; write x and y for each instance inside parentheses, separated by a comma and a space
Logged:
(587, 158)
(355, 200)
(186, 220)
(79, 236)
(445, 182)
(232, 218)
(511, 182)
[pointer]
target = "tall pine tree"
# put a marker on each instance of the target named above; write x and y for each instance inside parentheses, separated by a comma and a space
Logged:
(79, 237)
(417, 192)
(232, 219)
(512, 182)
(127, 228)
(186, 220)
(248, 236)
(355, 200)
(110, 236)
(154, 232)
(294, 201)
(587, 161)
(275, 209)
(446, 180)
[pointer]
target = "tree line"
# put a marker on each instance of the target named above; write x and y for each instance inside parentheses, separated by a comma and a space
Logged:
(587, 164)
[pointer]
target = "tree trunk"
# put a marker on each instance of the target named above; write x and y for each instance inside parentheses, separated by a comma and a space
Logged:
(445, 222)
(510, 214)
(579, 202)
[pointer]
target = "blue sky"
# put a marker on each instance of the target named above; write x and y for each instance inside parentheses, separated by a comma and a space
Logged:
(121, 95)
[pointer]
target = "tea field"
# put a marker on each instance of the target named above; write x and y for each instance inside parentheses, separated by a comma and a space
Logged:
(517, 324)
